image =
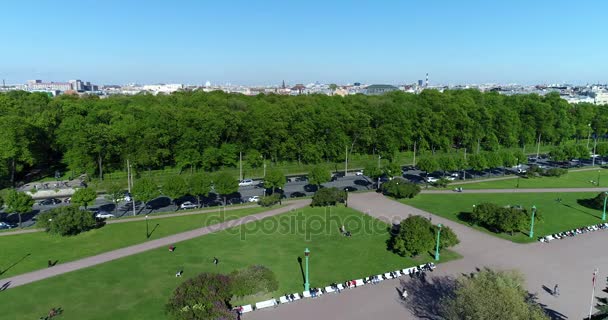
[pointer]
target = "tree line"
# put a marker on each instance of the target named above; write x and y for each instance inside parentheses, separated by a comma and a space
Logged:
(198, 130)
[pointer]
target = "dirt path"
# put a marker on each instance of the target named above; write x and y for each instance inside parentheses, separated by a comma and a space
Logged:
(150, 245)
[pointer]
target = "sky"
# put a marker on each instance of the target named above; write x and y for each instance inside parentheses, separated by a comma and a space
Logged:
(333, 41)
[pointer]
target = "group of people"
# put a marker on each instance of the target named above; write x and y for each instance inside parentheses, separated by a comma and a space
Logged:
(290, 297)
(314, 292)
(574, 232)
(420, 272)
(344, 232)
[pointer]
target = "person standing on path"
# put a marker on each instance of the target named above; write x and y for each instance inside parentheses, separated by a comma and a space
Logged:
(556, 291)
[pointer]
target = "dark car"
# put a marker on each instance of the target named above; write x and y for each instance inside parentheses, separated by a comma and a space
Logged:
(350, 189)
(48, 202)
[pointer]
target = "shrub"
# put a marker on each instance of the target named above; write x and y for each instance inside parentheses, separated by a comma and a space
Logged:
(67, 221)
(503, 219)
(400, 188)
(598, 201)
(206, 296)
(252, 280)
(328, 197)
(555, 172)
(269, 201)
(441, 183)
(416, 235)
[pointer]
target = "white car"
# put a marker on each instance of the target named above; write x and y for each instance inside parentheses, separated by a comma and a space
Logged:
(188, 205)
(431, 179)
(254, 199)
(246, 183)
(455, 175)
(104, 215)
(450, 178)
(359, 173)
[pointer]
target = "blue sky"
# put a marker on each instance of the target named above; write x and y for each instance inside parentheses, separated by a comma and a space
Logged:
(264, 42)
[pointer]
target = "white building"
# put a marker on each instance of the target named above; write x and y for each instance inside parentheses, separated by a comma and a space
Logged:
(601, 97)
(163, 88)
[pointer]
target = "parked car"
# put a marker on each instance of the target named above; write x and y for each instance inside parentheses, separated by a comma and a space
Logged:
(4, 225)
(254, 199)
(431, 179)
(48, 202)
(246, 183)
(450, 178)
(359, 173)
(104, 215)
(350, 189)
(188, 205)
(67, 200)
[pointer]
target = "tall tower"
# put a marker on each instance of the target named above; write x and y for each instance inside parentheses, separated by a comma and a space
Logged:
(426, 84)
(283, 86)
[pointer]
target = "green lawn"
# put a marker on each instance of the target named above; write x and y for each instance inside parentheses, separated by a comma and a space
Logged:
(573, 179)
(558, 217)
(137, 287)
(43, 246)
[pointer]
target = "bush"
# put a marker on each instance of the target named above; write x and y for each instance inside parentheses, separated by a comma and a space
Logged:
(67, 221)
(252, 280)
(269, 201)
(555, 172)
(206, 296)
(503, 219)
(328, 197)
(441, 183)
(598, 201)
(417, 234)
(400, 188)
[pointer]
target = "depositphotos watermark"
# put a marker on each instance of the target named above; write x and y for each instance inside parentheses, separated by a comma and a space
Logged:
(297, 222)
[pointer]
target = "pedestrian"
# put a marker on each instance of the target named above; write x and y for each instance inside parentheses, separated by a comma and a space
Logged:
(49, 264)
(179, 273)
(215, 261)
(556, 290)
(171, 248)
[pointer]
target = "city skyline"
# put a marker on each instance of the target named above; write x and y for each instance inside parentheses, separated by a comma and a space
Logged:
(340, 42)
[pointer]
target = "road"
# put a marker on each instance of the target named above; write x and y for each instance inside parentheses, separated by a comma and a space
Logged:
(569, 263)
(150, 245)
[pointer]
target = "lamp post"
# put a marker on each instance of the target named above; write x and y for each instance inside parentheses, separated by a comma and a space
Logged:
(147, 232)
(598, 177)
(307, 283)
(605, 200)
(532, 222)
(437, 247)
(518, 174)
(588, 136)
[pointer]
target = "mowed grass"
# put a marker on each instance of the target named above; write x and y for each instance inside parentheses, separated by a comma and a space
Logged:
(31, 251)
(138, 287)
(557, 217)
(573, 179)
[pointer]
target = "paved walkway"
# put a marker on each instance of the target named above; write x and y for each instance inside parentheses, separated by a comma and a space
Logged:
(569, 263)
(143, 217)
(530, 190)
(153, 244)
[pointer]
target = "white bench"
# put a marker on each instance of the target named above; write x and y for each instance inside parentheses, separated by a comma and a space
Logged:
(283, 299)
(379, 278)
(266, 304)
(359, 282)
(340, 286)
(246, 308)
(306, 294)
(388, 275)
(329, 289)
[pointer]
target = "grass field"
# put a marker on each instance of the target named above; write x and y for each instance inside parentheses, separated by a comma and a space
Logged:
(557, 216)
(137, 287)
(42, 246)
(573, 179)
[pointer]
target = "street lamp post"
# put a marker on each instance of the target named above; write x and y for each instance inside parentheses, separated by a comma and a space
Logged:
(307, 283)
(437, 247)
(598, 177)
(605, 201)
(147, 230)
(518, 174)
(589, 136)
(532, 222)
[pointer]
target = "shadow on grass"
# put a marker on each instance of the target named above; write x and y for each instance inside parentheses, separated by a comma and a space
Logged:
(577, 209)
(302, 271)
(14, 263)
(154, 229)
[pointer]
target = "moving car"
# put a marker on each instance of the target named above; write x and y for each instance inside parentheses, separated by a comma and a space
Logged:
(246, 183)
(104, 215)
(48, 202)
(188, 205)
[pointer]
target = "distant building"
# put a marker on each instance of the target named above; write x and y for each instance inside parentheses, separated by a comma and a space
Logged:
(376, 89)
(163, 88)
(601, 97)
(420, 83)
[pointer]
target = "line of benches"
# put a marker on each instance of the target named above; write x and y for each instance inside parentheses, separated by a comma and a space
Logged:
(573, 232)
(328, 289)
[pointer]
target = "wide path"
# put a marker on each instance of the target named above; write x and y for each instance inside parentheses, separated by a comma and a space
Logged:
(528, 190)
(153, 244)
(569, 263)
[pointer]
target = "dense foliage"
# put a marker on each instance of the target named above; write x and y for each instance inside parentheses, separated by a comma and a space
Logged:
(503, 219)
(598, 201)
(269, 201)
(253, 280)
(84, 197)
(67, 221)
(208, 130)
(206, 296)
(417, 235)
(18, 202)
(400, 188)
(328, 197)
(492, 295)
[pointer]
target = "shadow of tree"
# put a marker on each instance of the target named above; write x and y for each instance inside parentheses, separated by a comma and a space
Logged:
(425, 297)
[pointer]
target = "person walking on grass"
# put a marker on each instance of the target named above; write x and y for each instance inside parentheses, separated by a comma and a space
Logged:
(215, 261)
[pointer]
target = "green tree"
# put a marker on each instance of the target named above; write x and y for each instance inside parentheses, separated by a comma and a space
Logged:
(493, 159)
(400, 188)
(392, 169)
(200, 185)
(371, 170)
(492, 295)
(319, 175)
(84, 197)
(145, 190)
(19, 203)
(275, 179)
(428, 164)
(114, 193)
(478, 162)
(205, 296)
(520, 157)
(67, 221)
(447, 238)
(414, 237)
(447, 163)
(175, 187)
(328, 197)
(225, 184)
